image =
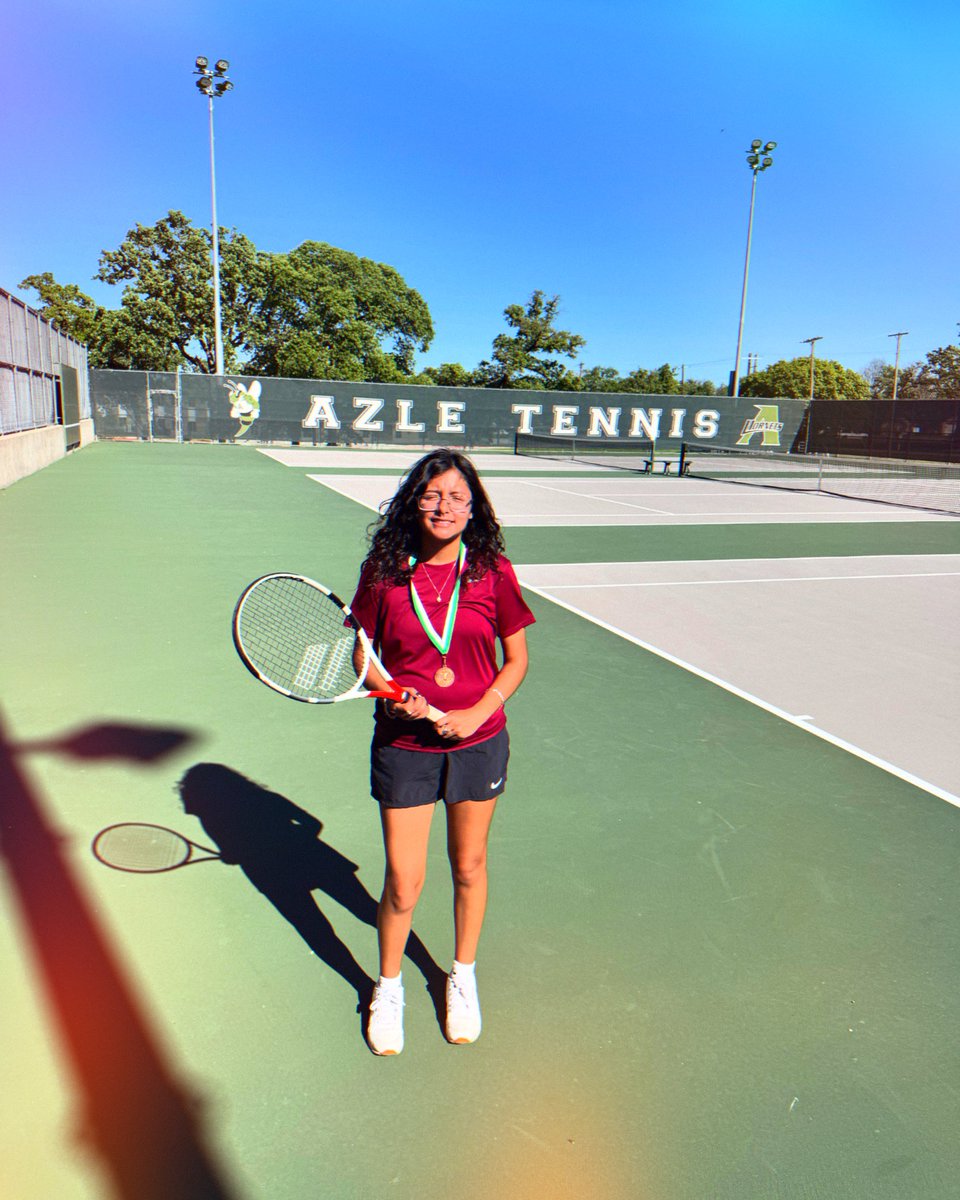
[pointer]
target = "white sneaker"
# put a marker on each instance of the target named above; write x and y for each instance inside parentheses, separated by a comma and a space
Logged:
(385, 1025)
(463, 1009)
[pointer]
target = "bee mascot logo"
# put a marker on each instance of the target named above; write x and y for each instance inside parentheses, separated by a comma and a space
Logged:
(244, 404)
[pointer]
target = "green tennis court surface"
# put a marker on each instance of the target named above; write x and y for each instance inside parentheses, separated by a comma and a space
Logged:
(721, 954)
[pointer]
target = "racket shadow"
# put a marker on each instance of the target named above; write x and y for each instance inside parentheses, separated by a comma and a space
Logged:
(278, 847)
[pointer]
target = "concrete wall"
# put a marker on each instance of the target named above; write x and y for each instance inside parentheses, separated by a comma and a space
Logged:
(23, 453)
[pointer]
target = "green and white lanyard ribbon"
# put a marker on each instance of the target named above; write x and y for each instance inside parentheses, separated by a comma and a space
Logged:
(440, 640)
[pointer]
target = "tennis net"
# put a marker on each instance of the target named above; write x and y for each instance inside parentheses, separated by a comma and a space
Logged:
(621, 454)
(927, 485)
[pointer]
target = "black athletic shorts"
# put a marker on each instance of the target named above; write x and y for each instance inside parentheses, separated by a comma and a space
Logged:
(410, 778)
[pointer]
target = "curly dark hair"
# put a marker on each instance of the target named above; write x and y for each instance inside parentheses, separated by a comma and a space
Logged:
(396, 534)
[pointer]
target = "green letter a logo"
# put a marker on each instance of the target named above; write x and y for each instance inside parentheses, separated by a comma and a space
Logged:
(767, 423)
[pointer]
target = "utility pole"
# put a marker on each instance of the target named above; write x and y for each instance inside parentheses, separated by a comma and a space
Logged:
(812, 342)
(896, 366)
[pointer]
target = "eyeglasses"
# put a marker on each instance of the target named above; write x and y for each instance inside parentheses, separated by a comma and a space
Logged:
(431, 501)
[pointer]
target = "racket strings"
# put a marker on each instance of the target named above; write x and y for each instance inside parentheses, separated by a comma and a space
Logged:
(294, 635)
(141, 848)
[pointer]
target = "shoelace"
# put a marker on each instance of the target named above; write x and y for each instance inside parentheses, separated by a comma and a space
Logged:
(387, 1002)
(461, 993)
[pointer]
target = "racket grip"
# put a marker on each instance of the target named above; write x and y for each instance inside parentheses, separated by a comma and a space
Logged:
(433, 714)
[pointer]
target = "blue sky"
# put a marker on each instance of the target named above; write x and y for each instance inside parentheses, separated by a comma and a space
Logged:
(592, 150)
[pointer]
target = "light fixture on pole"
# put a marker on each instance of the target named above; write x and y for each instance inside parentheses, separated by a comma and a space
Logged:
(812, 342)
(758, 159)
(896, 366)
(214, 84)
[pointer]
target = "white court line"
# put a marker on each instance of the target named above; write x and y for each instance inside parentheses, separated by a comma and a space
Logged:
(780, 517)
(856, 513)
(677, 562)
(797, 722)
(569, 587)
(546, 487)
(667, 512)
(325, 482)
(664, 512)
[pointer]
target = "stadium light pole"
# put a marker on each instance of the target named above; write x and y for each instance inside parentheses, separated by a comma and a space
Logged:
(758, 159)
(214, 84)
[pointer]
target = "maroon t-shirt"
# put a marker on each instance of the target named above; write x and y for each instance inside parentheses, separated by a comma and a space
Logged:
(491, 608)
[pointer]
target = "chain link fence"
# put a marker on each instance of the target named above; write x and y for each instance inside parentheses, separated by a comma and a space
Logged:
(32, 353)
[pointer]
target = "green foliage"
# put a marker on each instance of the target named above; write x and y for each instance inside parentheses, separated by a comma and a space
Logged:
(112, 337)
(939, 376)
(73, 312)
(448, 375)
(791, 378)
(601, 379)
(168, 297)
(662, 381)
(317, 312)
(526, 358)
(881, 375)
(324, 313)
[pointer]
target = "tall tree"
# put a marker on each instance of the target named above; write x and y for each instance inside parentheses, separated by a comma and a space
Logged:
(791, 378)
(324, 313)
(168, 296)
(527, 358)
(316, 312)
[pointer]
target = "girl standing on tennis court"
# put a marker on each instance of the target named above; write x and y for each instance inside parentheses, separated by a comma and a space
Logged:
(436, 596)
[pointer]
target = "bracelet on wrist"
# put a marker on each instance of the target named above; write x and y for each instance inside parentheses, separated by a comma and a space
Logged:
(503, 700)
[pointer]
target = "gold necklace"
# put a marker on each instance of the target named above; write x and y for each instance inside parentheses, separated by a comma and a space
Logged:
(439, 592)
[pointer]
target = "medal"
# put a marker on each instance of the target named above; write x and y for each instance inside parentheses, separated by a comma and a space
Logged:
(444, 677)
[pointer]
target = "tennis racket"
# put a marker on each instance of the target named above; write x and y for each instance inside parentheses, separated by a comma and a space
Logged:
(147, 849)
(300, 639)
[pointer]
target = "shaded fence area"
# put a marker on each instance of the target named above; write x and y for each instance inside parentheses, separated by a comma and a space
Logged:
(926, 430)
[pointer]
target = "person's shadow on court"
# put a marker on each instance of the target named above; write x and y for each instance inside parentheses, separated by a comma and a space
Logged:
(278, 847)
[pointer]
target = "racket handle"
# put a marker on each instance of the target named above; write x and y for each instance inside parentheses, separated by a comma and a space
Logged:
(432, 714)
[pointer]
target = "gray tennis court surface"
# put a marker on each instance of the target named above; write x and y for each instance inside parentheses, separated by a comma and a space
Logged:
(615, 499)
(864, 652)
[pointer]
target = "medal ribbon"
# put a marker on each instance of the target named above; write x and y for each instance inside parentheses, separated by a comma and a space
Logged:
(441, 641)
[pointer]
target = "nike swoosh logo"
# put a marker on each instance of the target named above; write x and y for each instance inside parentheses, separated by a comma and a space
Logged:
(496, 783)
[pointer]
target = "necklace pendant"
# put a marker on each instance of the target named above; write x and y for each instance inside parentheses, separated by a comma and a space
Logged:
(444, 677)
